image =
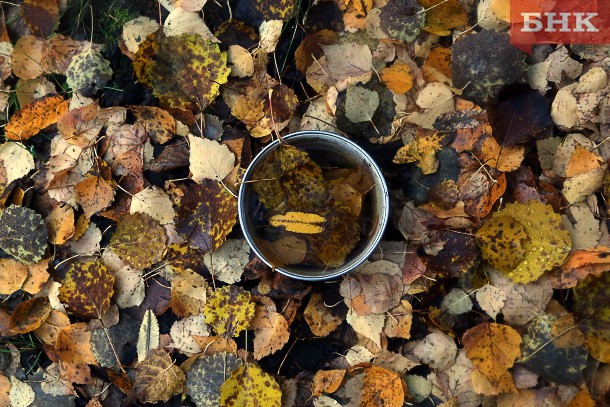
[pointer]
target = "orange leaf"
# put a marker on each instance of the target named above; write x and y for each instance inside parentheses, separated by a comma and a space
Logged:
(74, 345)
(41, 113)
(493, 349)
(398, 78)
(382, 387)
(327, 381)
(29, 315)
(94, 194)
(582, 161)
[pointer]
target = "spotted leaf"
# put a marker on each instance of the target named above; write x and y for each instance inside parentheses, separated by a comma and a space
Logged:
(87, 289)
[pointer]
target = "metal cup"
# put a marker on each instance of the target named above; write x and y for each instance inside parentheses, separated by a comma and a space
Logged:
(346, 154)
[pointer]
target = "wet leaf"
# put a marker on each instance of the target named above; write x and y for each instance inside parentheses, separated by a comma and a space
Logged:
(206, 214)
(31, 119)
(493, 349)
(524, 241)
(299, 222)
(23, 234)
(184, 71)
(250, 386)
(158, 378)
(87, 289)
(229, 310)
(139, 240)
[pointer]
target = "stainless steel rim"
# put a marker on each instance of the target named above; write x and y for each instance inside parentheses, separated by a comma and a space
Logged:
(382, 208)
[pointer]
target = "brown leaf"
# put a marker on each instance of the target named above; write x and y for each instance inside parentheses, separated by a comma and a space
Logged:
(81, 126)
(30, 119)
(327, 381)
(158, 123)
(271, 332)
(29, 315)
(74, 345)
(94, 194)
(158, 378)
(12, 276)
(319, 318)
(60, 224)
(139, 240)
(40, 16)
(189, 292)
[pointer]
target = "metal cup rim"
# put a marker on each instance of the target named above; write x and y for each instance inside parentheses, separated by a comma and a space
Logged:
(382, 208)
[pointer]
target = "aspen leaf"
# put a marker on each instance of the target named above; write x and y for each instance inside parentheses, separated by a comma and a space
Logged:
(369, 326)
(319, 318)
(206, 214)
(148, 336)
(327, 381)
(228, 261)
(271, 332)
(360, 104)
(398, 78)
(183, 331)
(94, 194)
(21, 393)
(491, 299)
(493, 349)
(229, 310)
(139, 240)
(270, 32)
(382, 387)
(398, 321)
(524, 240)
(31, 119)
(29, 315)
(60, 224)
(340, 66)
(158, 378)
(16, 161)
(442, 16)
(12, 276)
(155, 203)
(136, 30)
(73, 344)
(250, 386)
(88, 72)
(27, 56)
(241, 61)
(207, 374)
(23, 234)
(189, 292)
(81, 126)
(130, 287)
(299, 222)
(192, 74)
(40, 16)
(209, 159)
(158, 123)
(402, 20)
(87, 289)
(456, 302)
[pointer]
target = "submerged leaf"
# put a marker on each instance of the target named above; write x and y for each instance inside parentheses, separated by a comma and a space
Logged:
(299, 222)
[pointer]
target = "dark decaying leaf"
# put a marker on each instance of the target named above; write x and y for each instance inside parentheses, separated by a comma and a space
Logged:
(23, 234)
(87, 289)
(207, 374)
(402, 19)
(184, 72)
(229, 310)
(158, 378)
(206, 214)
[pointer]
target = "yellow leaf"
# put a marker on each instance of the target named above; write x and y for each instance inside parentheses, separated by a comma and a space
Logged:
(229, 310)
(443, 15)
(139, 240)
(299, 222)
(250, 386)
(524, 240)
(493, 349)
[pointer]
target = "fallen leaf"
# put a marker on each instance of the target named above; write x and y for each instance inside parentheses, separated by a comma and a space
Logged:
(189, 294)
(16, 161)
(29, 315)
(88, 72)
(382, 387)
(135, 32)
(158, 378)
(524, 241)
(12, 276)
(227, 263)
(271, 332)
(184, 330)
(73, 344)
(207, 374)
(139, 240)
(60, 224)
(229, 310)
(182, 81)
(155, 203)
(493, 349)
(319, 317)
(206, 214)
(21, 393)
(360, 104)
(31, 119)
(40, 16)
(94, 194)
(442, 16)
(87, 289)
(250, 386)
(398, 78)
(327, 381)
(23, 234)
(209, 159)
(491, 299)
(148, 335)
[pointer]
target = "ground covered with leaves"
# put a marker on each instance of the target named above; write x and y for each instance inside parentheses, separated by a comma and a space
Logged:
(125, 278)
